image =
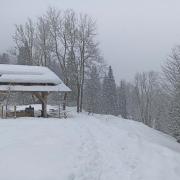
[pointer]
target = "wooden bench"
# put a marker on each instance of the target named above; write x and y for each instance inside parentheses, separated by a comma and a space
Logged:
(19, 114)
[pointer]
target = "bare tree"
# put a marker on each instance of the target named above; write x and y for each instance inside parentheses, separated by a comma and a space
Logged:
(87, 48)
(73, 40)
(146, 88)
(172, 73)
(24, 39)
(62, 38)
(58, 32)
(43, 42)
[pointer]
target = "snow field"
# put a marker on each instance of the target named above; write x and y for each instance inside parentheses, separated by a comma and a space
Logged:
(83, 147)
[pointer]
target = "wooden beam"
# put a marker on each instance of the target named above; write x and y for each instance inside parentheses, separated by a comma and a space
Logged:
(39, 96)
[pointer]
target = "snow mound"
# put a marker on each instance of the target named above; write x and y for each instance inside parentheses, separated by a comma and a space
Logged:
(85, 147)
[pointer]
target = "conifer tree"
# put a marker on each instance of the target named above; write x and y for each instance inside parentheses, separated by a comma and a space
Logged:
(109, 94)
(92, 91)
(122, 99)
(72, 77)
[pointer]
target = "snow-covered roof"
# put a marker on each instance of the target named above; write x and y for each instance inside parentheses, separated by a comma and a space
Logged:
(16, 78)
(27, 74)
(57, 88)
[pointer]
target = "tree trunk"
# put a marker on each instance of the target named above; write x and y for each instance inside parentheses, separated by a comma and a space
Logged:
(65, 95)
(81, 88)
(43, 99)
(78, 98)
(44, 104)
(81, 98)
(64, 101)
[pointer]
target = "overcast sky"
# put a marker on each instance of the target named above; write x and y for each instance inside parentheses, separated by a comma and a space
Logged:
(134, 35)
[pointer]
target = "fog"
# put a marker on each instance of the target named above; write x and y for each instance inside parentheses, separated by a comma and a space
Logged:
(134, 35)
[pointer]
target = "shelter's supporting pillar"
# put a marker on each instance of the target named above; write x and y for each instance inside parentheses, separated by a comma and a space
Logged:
(14, 111)
(2, 111)
(59, 111)
(64, 101)
(43, 99)
(44, 104)
(6, 111)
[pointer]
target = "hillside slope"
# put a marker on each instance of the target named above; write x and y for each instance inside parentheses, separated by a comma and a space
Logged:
(85, 148)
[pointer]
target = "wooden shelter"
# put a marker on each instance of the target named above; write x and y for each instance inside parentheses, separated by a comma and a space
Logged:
(38, 80)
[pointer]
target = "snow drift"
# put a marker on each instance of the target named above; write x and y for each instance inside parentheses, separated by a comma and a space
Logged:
(85, 147)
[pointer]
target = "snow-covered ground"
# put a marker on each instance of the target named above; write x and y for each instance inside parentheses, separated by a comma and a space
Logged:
(85, 147)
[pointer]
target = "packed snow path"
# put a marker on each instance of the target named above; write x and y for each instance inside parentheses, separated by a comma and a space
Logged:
(85, 148)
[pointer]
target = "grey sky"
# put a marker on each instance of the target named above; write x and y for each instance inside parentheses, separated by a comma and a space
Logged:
(134, 35)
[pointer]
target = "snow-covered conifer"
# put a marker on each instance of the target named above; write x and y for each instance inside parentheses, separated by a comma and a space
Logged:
(109, 94)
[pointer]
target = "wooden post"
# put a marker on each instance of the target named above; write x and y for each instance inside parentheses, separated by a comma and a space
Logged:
(44, 104)
(6, 111)
(59, 111)
(2, 111)
(15, 111)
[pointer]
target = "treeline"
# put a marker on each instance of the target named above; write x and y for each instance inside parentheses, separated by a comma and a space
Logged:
(145, 99)
(4, 58)
(66, 42)
(152, 98)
